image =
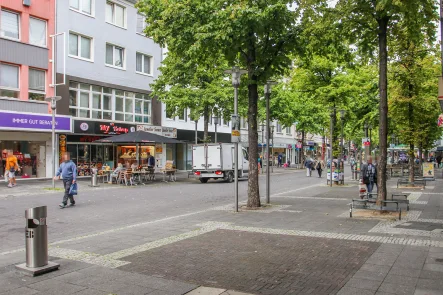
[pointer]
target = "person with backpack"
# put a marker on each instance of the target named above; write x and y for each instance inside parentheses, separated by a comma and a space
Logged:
(369, 175)
(68, 171)
(11, 167)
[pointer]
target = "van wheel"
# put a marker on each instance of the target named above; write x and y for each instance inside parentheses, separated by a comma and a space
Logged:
(230, 177)
(204, 180)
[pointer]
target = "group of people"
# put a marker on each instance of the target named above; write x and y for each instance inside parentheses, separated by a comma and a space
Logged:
(314, 164)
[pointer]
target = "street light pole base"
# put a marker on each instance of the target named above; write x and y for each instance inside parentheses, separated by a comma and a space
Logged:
(31, 271)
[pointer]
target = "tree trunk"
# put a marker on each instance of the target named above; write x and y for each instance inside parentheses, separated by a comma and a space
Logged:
(411, 162)
(205, 123)
(253, 187)
(383, 106)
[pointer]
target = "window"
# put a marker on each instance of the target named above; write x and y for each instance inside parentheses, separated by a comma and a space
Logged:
(278, 127)
(9, 86)
(80, 46)
(288, 130)
(141, 24)
(36, 84)
(243, 123)
(143, 63)
(226, 122)
(169, 112)
(96, 102)
(37, 32)
(115, 14)
(83, 6)
(9, 26)
(115, 56)
(182, 115)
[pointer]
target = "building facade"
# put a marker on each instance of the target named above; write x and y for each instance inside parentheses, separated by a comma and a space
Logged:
(105, 65)
(25, 81)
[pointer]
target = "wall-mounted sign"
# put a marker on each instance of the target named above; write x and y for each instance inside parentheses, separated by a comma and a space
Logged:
(102, 128)
(159, 130)
(33, 122)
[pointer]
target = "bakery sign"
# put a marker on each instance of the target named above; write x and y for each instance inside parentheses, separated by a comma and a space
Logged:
(102, 128)
(159, 130)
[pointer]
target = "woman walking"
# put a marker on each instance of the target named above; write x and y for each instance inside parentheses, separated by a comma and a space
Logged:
(320, 166)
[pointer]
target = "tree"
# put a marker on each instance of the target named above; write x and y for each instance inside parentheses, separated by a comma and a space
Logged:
(256, 35)
(199, 87)
(368, 24)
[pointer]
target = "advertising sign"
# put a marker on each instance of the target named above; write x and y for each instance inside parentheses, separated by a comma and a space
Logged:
(365, 141)
(428, 170)
(440, 120)
(235, 131)
(159, 130)
(33, 122)
(102, 128)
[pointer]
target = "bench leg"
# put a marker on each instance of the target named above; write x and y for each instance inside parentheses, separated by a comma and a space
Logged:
(407, 207)
(350, 211)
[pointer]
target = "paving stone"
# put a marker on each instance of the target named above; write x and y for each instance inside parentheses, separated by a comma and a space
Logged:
(429, 274)
(53, 285)
(243, 261)
(355, 291)
(206, 291)
(383, 293)
(7, 284)
(231, 292)
(20, 291)
(433, 267)
(401, 280)
(428, 284)
(90, 291)
(406, 272)
(397, 289)
(427, 292)
(159, 292)
(370, 275)
(376, 268)
(363, 284)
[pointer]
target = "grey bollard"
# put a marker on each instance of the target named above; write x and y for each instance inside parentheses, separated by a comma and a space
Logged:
(94, 182)
(36, 243)
(36, 237)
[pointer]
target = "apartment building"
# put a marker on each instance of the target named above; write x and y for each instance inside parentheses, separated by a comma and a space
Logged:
(106, 66)
(25, 81)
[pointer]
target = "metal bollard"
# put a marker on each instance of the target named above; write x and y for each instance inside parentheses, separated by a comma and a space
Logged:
(94, 178)
(36, 243)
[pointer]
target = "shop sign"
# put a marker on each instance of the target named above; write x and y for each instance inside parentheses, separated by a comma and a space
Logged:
(158, 149)
(33, 122)
(299, 145)
(159, 130)
(102, 128)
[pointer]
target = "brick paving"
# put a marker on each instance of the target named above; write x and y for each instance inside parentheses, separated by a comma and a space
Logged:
(257, 263)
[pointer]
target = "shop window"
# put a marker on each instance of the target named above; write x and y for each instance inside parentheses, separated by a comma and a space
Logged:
(143, 63)
(9, 25)
(115, 14)
(115, 56)
(31, 157)
(37, 31)
(80, 46)
(83, 6)
(9, 77)
(37, 84)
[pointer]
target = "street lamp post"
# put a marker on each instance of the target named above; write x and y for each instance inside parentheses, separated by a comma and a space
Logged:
(370, 138)
(366, 146)
(331, 158)
(272, 156)
(215, 120)
(262, 143)
(236, 73)
(268, 87)
(53, 100)
(342, 117)
(196, 131)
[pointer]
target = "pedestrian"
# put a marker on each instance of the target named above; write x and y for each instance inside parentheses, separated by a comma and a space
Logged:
(438, 161)
(308, 166)
(11, 168)
(68, 171)
(280, 159)
(151, 161)
(320, 166)
(369, 175)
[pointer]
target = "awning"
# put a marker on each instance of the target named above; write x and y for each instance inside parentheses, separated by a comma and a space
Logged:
(138, 137)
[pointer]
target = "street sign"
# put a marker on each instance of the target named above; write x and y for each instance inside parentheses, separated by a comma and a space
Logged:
(365, 141)
(235, 131)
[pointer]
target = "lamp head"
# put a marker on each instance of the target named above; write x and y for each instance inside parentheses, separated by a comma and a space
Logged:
(268, 86)
(53, 100)
(215, 120)
(236, 73)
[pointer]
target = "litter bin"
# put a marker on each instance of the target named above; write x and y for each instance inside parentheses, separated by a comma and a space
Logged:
(94, 177)
(36, 237)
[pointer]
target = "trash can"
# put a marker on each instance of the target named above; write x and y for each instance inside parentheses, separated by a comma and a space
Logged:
(94, 177)
(36, 237)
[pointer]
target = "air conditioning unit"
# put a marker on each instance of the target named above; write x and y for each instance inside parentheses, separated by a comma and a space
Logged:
(27, 2)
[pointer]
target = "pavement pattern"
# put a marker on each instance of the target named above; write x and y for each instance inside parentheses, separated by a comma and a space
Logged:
(176, 238)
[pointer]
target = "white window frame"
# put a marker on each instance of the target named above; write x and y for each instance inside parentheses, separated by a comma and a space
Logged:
(123, 67)
(81, 12)
(226, 122)
(37, 91)
(166, 114)
(143, 64)
(185, 112)
(79, 46)
(19, 25)
(125, 15)
(46, 31)
(288, 129)
(18, 78)
(144, 24)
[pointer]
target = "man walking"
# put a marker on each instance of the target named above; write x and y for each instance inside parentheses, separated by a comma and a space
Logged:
(68, 171)
(369, 175)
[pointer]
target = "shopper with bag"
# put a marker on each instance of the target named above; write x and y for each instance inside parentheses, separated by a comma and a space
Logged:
(11, 167)
(68, 171)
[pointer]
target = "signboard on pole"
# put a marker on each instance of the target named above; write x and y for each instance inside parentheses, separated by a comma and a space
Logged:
(365, 141)
(235, 131)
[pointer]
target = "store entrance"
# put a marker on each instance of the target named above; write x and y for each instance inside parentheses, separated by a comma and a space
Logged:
(31, 157)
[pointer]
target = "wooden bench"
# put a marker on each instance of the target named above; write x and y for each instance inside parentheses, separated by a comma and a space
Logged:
(397, 197)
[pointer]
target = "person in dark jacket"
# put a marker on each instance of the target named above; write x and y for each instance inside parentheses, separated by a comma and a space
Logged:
(369, 175)
(308, 166)
(68, 171)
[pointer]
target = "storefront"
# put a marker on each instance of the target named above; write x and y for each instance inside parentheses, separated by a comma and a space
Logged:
(29, 137)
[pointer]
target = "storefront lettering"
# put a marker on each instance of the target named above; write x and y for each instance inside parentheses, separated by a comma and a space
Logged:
(116, 129)
(32, 122)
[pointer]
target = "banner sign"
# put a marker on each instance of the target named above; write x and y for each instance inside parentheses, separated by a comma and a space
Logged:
(428, 170)
(102, 128)
(33, 122)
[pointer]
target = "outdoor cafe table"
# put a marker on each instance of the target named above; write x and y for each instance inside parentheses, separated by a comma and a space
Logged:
(105, 173)
(139, 175)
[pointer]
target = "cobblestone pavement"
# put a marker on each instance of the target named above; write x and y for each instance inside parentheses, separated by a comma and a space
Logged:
(170, 238)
